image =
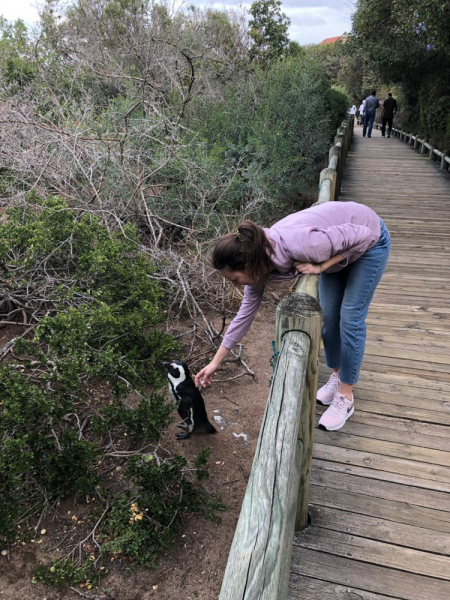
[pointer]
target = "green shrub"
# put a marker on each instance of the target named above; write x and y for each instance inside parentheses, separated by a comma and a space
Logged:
(148, 515)
(65, 411)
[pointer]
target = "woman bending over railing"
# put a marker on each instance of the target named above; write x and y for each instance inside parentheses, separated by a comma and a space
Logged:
(347, 244)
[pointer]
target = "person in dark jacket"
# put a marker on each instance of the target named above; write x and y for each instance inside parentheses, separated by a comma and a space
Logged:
(372, 103)
(388, 112)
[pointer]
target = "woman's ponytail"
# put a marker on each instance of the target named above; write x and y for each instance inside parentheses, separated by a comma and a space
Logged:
(247, 249)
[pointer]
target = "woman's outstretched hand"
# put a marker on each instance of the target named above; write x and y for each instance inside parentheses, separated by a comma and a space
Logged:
(307, 268)
(205, 376)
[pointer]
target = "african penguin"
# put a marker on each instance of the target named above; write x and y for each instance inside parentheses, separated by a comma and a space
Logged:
(188, 400)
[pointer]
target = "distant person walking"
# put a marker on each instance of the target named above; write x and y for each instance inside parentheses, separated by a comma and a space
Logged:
(372, 103)
(362, 110)
(387, 113)
(352, 110)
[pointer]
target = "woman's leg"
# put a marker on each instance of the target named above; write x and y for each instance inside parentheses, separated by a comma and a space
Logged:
(363, 278)
(331, 293)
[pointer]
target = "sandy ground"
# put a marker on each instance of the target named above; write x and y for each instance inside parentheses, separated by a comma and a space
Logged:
(193, 567)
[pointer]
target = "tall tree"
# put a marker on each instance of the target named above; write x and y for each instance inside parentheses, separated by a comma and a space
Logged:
(268, 30)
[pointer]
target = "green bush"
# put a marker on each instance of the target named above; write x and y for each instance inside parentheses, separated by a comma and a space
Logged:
(65, 413)
(256, 150)
(148, 515)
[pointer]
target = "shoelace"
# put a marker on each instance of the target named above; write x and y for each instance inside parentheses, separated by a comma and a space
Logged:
(339, 403)
(331, 383)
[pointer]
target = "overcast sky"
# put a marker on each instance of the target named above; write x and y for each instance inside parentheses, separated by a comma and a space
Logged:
(311, 20)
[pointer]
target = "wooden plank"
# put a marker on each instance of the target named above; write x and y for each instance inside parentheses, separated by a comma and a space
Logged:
(307, 588)
(401, 380)
(427, 371)
(374, 552)
(397, 512)
(410, 397)
(383, 463)
(349, 469)
(413, 363)
(371, 578)
(409, 536)
(412, 454)
(381, 489)
(412, 308)
(428, 431)
(403, 412)
(388, 429)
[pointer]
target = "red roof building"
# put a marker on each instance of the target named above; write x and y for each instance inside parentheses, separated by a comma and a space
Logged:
(332, 40)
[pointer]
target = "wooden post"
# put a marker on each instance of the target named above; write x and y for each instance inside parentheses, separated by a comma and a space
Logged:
(333, 157)
(334, 163)
(339, 142)
(417, 142)
(443, 162)
(260, 556)
(423, 148)
(332, 176)
(302, 312)
(432, 156)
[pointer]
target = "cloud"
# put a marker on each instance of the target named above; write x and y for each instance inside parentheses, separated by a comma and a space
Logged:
(19, 9)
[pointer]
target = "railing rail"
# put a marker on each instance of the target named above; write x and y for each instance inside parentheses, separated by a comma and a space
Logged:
(276, 500)
(422, 145)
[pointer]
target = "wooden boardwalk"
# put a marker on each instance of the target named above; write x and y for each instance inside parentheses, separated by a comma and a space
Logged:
(380, 495)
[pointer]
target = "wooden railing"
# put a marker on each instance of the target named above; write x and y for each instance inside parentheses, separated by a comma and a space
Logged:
(422, 145)
(276, 501)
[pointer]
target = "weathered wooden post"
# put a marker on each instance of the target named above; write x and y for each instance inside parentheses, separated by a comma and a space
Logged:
(260, 556)
(339, 142)
(301, 311)
(416, 142)
(333, 163)
(332, 176)
(443, 162)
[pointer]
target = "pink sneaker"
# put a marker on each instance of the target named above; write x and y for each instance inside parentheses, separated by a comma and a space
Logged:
(336, 415)
(326, 393)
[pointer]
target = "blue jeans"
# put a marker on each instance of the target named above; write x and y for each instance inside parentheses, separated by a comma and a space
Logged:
(368, 122)
(345, 298)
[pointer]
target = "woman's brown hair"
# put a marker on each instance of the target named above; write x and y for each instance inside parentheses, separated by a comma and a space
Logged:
(248, 249)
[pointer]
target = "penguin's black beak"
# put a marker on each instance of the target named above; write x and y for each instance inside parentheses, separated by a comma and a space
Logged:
(166, 364)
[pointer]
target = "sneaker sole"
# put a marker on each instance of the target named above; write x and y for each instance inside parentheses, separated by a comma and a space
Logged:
(341, 425)
(324, 403)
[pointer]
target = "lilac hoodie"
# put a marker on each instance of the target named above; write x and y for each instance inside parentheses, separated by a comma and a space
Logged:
(312, 235)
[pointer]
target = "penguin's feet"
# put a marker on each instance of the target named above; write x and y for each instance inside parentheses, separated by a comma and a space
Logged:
(183, 425)
(183, 435)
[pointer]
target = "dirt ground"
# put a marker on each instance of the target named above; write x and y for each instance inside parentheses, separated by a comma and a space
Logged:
(193, 567)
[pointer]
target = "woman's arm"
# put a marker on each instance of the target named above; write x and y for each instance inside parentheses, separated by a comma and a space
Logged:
(235, 332)
(308, 268)
(204, 377)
